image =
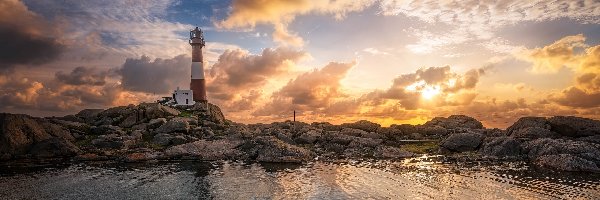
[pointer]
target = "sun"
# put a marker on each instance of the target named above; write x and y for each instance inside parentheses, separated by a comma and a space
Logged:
(430, 91)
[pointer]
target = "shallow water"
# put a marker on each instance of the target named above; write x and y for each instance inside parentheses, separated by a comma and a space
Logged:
(409, 179)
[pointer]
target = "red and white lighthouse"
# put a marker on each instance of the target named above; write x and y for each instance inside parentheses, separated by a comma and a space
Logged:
(198, 84)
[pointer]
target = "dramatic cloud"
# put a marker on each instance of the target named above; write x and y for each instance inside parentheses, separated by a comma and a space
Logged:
(571, 52)
(476, 20)
(439, 84)
(279, 13)
(25, 37)
(158, 76)
(309, 92)
(238, 70)
(82, 76)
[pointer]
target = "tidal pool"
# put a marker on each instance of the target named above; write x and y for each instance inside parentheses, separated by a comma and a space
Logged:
(409, 179)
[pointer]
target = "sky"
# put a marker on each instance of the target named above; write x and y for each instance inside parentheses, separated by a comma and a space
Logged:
(386, 61)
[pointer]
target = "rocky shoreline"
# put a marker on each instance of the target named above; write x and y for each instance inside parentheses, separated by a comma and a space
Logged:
(150, 131)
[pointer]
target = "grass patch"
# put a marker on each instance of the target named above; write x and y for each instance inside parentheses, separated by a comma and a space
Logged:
(185, 113)
(421, 147)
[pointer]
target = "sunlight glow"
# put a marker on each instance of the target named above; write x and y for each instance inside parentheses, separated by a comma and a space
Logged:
(430, 91)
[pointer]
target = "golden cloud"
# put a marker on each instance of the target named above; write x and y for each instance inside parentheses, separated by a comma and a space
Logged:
(279, 13)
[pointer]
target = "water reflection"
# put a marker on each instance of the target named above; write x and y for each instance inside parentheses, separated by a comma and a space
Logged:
(420, 178)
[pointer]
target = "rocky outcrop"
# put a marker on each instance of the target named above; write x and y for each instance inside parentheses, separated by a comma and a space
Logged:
(501, 147)
(455, 122)
(574, 126)
(566, 162)
(271, 149)
(529, 122)
(207, 150)
(24, 135)
(461, 142)
(362, 125)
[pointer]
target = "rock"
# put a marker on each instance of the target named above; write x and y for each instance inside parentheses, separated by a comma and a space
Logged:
(336, 137)
(391, 152)
(364, 142)
(177, 140)
(156, 110)
(271, 149)
(19, 132)
(352, 132)
(207, 150)
(566, 162)
(309, 137)
(455, 121)
(90, 157)
(57, 131)
(163, 139)
(461, 142)
(174, 126)
(501, 147)
(362, 125)
(533, 133)
(155, 123)
(434, 130)
(547, 146)
(88, 115)
(54, 147)
(139, 157)
(326, 126)
(574, 126)
(527, 122)
(129, 121)
(105, 129)
(113, 141)
(591, 139)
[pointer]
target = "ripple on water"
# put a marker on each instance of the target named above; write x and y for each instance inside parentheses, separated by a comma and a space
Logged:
(421, 178)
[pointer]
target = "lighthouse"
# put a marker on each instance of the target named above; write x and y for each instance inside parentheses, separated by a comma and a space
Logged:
(198, 84)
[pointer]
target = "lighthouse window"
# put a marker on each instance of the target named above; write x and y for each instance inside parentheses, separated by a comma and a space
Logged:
(186, 101)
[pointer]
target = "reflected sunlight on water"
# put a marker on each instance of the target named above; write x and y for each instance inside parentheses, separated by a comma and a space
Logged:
(420, 178)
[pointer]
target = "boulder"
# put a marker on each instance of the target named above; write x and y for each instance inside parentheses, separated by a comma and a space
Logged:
(574, 126)
(533, 132)
(434, 130)
(54, 147)
(155, 123)
(140, 156)
(455, 121)
(88, 115)
(352, 132)
(163, 139)
(546, 146)
(591, 139)
(364, 142)
(105, 129)
(271, 149)
(527, 122)
(461, 142)
(362, 125)
(174, 126)
(501, 147)
(566, 162)
(391, 152)
(308, 137)
(207, 150)
(336, 137)
(19, 132)
(129, 121)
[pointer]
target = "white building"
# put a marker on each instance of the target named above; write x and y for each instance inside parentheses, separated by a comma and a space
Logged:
(183, 97)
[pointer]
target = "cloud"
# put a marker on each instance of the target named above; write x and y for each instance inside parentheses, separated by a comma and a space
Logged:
(280, 13)
(570, 52)
(25, 37)
(239, 71)
(434, 83)
(309, 92)
(82, 76)
(478, 20)
(155, 76)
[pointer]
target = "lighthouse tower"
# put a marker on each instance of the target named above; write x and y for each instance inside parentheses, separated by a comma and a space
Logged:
(198, 84)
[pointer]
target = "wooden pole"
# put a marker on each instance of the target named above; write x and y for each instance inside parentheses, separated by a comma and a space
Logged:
(294, 115)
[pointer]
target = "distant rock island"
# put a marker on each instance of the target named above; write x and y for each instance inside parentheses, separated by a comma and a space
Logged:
(151, 131)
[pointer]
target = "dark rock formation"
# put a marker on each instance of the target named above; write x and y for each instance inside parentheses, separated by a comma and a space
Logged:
(501, 147)
(455, 121)
(461, 142)
(566, 162)
(574, 126)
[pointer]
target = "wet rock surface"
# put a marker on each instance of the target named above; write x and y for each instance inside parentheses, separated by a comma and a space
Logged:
(152, 131)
